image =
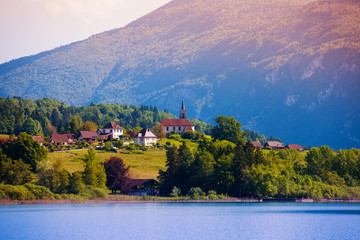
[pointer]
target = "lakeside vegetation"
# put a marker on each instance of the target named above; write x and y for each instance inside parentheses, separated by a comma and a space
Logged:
(189, 166)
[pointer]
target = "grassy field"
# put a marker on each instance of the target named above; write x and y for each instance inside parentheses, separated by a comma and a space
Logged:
(142, 164)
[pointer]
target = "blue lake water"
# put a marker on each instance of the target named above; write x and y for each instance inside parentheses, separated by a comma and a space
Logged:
(182, 221)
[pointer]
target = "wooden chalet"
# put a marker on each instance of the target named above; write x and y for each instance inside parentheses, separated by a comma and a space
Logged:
(295, 146)
(274, 145)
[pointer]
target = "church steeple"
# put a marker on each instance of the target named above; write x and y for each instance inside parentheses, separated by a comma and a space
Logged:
(182, 111)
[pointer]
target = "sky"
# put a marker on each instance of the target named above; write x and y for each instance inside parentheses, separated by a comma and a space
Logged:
(29, 27)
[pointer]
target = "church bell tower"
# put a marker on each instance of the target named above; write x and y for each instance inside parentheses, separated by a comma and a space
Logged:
(183, 111)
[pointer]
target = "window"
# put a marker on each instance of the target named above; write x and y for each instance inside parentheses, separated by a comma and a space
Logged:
(167, 128)
(179, 128)
(174, 128)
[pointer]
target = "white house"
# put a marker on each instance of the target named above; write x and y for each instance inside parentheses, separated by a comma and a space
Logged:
(112, 129)
(178, 125)
(145, 137)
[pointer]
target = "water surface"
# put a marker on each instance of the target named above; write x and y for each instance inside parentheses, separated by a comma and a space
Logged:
(182, 221)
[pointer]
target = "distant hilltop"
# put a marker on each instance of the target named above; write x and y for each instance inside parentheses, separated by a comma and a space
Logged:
(289, 68)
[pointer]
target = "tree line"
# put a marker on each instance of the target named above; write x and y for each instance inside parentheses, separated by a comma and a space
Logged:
(47, 116)
(26, 174)
(229, 164)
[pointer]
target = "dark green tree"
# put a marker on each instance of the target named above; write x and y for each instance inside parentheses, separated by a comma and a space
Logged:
(26, 149)
(167, 179)
(227, 128)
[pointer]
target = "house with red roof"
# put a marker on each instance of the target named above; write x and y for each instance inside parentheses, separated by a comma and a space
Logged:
(39, 139)
(178, 125)
(63, 139)
(274, 145)
(145, 137)
(256, 144)
(110, 131)
(295, 146)
(88, 135)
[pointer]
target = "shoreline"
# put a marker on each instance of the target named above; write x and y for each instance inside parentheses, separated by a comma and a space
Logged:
(226, 200)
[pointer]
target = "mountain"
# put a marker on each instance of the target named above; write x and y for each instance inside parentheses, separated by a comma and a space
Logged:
(287, 68)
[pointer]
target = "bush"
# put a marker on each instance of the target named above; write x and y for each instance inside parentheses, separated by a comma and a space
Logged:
(196, 193)
(91, 192)
(15, 192)
(131, 147)
(176, 137)
(39, 192)
(176, 192)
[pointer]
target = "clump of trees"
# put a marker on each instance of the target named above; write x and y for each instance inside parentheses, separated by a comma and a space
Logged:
(25, 173)
(230, 165)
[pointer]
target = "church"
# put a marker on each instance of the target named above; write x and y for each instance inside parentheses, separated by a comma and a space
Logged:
(178, 125)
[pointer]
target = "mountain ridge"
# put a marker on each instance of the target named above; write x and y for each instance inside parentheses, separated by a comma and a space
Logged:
(259, 61)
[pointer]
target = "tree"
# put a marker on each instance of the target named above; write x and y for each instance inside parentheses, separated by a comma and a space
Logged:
(89, 126)
(167, 179)
(55, 118)
(32, 127)
(117, 175)
(94, 173)
(26, 149)
(227, 128)
(202, 170)
(75, 124)
(49, 130)
(53, 176)
(159, 130)
(14, 172)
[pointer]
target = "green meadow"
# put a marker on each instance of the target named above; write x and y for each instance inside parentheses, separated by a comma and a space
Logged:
(142, 164)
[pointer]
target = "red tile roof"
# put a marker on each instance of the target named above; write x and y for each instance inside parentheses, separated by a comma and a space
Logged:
(62, 137)
(274, 144)
(188, 128)
(146, 133)
(112, 125)
(88, 134)
(106, 136)
(295, 146)
(256, 144)
(176, 122)
(39, 139)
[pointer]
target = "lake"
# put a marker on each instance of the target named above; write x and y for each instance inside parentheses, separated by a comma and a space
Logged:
(182, 221)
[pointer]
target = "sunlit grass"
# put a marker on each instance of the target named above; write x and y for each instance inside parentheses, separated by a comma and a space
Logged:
(142, 164)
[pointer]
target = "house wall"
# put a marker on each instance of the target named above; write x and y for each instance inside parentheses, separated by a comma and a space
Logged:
(116, 132)
(178, 129)
(145, 141)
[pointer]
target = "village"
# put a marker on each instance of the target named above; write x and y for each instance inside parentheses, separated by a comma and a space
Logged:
(108, 136)
(145, 137)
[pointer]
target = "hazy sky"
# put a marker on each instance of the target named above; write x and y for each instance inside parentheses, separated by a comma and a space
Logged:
(31, 26)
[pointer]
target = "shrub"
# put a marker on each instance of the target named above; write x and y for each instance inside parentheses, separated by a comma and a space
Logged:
(39, 192)
(196, 193)
(176, 192)
(91, 192)
(15, 192)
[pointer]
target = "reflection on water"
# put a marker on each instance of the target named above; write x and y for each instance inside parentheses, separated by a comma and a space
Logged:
(181, 221)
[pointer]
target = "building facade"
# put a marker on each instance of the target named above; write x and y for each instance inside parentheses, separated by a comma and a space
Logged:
(178, 125)
(112, 129)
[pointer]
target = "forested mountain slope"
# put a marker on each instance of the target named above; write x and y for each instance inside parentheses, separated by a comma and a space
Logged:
(282, 67)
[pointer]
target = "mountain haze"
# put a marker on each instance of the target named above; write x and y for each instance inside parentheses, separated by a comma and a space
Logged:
(287, 68)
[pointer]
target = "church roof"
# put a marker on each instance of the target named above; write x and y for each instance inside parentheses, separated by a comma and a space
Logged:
(182, 105)
(176, 122)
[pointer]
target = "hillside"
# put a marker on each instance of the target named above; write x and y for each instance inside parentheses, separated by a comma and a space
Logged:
(282, 67)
